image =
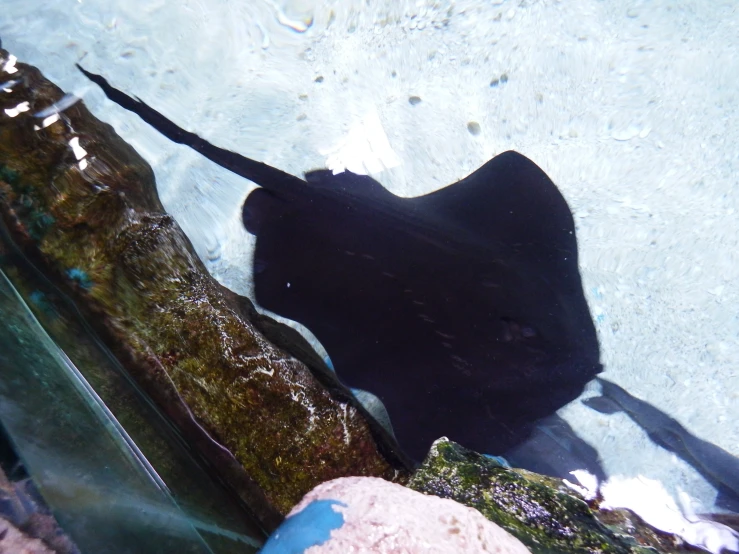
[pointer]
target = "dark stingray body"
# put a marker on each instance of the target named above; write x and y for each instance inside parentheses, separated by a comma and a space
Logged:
(462, 309)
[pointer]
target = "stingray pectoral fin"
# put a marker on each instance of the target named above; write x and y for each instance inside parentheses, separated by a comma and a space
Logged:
(511, 200)
(511, 208)
(521, 226)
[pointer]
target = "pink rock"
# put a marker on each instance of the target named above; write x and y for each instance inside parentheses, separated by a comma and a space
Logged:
(367, 514)
(13, 541)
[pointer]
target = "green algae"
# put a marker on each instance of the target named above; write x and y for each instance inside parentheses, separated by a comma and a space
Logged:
(542, 516)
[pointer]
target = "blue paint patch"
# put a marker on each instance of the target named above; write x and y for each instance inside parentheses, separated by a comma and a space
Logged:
(81, 277)
(500, 460)
(310, 527)
(329, 363)
(599, 318)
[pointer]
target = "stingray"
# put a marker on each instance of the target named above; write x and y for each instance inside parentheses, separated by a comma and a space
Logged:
(462, 309)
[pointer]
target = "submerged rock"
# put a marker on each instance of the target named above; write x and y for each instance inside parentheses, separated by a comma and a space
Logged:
(540, 511)
(82, 205)
(367, 515)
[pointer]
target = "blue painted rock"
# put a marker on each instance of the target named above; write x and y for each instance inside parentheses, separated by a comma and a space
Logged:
(371, 515)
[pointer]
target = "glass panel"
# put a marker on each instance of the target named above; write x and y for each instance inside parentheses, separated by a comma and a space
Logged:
(99, 484)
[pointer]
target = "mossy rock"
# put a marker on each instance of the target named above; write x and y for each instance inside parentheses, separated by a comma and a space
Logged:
(540, 511)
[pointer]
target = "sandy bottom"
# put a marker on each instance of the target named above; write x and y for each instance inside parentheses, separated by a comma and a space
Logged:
(631, 108)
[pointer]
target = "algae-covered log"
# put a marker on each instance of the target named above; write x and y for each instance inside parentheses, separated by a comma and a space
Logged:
(535, 509)
(83, 206)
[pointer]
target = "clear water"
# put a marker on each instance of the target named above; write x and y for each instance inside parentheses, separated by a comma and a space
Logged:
(631, 108)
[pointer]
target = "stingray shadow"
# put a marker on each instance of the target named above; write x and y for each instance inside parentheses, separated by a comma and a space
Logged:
(716, 465)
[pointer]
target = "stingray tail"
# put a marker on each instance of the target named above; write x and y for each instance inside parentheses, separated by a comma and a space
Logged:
(265, 176)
